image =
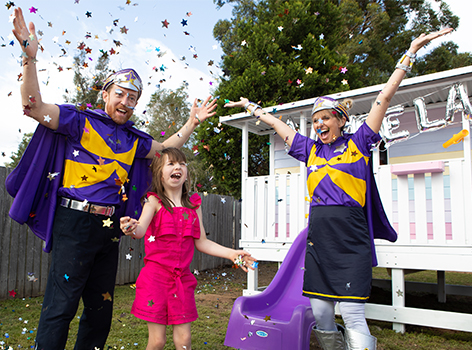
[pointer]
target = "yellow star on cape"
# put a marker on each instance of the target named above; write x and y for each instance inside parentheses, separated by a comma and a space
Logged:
(107, 222)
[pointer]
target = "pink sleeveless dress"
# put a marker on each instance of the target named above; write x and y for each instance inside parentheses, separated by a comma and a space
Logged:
(165, 286)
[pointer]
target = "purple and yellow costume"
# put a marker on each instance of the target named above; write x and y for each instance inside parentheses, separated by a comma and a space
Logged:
(345, 216)
(69, 188)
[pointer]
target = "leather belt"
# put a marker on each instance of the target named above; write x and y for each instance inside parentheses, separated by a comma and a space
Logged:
(87, 207)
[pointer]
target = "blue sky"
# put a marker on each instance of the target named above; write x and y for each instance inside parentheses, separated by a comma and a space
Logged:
(146, 46)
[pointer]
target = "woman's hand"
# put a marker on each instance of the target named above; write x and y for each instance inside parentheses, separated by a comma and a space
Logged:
(424, 39)
(128, 225)
(241, 103)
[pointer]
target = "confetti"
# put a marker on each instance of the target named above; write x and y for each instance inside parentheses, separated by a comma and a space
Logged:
(107, 296)
(107, 222)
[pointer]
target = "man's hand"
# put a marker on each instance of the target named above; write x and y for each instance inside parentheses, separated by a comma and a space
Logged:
(25, 36)
(198, 114)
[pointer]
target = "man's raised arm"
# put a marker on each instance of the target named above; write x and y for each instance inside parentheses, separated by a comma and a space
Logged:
(33, 106)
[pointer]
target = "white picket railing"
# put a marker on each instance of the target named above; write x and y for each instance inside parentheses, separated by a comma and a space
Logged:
(430, 210)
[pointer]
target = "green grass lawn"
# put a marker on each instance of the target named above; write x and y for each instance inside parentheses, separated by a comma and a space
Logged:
(216, 292)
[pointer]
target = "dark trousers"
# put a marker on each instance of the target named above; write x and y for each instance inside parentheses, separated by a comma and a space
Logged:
(84, 264)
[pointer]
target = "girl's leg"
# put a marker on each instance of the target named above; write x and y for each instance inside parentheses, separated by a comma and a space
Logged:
(354, 316)
(182, 336)
(157, 336)
(323, 311)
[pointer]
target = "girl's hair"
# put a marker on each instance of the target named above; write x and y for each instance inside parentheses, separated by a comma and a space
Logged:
(177, 156)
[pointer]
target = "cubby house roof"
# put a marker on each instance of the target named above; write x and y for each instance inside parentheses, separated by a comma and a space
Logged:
(433, 87)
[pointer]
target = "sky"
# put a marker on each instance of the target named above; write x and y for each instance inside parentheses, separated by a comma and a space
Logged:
(164, 57)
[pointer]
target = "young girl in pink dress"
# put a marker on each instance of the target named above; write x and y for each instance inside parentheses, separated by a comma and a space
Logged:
(171, 223)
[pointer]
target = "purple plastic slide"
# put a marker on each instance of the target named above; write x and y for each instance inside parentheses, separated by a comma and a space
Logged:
(280, 317)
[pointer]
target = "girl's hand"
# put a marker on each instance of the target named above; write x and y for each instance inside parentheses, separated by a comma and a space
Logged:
(25, 36)
(424, 39)
(200, 114)
(241, 103)
(128, 225)
(244, 259)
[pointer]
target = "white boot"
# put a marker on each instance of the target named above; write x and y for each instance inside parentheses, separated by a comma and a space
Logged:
(359, 341)
(331, 340)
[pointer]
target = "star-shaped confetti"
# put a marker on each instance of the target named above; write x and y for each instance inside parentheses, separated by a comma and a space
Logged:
(343, 69)
(150, 303)
(51, 176)
(165, 24)
(128, 256)
(75, 153)
(344, 81)
(101, 161)
(184, 22)
(12, 293)
(31, 278)
(124, 30)
(340, 148)
(107, 222)
(267, 318)
(66, 277)
(115, 239)
(152, 238)
(107, 296)
(33, 10)
(88, 14)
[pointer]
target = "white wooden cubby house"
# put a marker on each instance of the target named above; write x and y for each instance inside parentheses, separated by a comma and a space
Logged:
(426, 191)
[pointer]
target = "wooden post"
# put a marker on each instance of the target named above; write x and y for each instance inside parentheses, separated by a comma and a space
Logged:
(441, 286)
(398, 296)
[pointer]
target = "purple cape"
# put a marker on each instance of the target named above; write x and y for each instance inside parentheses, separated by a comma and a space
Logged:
(35, 194)
(377, 221)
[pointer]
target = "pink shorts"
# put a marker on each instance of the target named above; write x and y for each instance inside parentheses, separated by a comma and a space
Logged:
(165, 297)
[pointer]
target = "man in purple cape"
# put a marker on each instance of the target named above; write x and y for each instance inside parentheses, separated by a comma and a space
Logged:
(82, 170)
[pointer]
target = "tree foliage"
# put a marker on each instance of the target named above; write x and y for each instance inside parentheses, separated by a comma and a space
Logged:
(16, 156)
(281, 51)
(166, 113)
(88, 85)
